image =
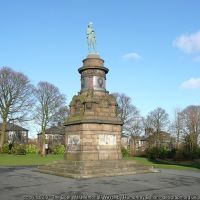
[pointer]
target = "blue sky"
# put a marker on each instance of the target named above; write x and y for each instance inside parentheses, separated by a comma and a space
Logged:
(152, 48)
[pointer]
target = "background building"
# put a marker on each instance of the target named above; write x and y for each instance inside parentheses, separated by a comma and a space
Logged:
(53, 136)
(15, 133)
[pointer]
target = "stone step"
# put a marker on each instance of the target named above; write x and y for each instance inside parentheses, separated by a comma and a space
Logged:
(86, 169)
(95, 164)
(67, 169)
(83, 176)
(92, 168)
(100, 162)
(58, 168)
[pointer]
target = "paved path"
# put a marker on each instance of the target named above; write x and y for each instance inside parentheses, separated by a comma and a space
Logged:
(22, 183)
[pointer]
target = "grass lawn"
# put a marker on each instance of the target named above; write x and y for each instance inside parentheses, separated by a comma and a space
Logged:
(27, 160)
(33, 160)
(162, 164)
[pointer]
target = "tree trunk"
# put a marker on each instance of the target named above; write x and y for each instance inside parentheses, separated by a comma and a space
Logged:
(134, 149)
(3, 133)
(178, 140)
(43, 149)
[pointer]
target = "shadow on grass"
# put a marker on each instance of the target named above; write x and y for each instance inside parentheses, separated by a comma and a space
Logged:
(183, 164)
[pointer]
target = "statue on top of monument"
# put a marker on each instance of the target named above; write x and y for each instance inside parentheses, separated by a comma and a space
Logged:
(91, 38)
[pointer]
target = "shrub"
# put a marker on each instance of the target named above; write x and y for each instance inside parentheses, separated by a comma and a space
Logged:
(59, 149)
(198, 152)
(163, 153)
(179, 154)
(31, 149)
(153, 153)
(125, 152)
(184, 153)
(157, 152)
(171, 153)
(5, 148)
(18, 149)
(191, 154)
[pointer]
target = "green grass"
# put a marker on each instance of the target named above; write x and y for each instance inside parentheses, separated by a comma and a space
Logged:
(33, 160)
(162, 164)
(27, 160)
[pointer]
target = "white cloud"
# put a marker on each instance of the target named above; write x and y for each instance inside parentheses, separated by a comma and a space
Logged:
(189, 43)
(193, 83)
(132, 56)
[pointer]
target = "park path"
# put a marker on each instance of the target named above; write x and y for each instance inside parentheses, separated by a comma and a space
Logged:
(22, 183)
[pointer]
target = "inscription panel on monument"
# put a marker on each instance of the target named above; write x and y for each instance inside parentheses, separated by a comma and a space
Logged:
(99, 83)
(73, 142)
(107, 139)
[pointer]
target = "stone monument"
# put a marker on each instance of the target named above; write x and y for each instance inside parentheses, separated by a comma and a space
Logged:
(93, 129)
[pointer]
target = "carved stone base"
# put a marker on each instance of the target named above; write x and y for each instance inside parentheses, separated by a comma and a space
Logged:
(95, 141)
(91, 169)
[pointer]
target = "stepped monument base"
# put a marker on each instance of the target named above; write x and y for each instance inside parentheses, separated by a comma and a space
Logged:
(92, 169)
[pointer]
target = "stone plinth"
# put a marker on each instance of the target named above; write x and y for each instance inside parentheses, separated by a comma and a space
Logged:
(91, 169)
(95, 132)
(92, 144)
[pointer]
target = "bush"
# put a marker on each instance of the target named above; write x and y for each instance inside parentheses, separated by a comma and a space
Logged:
(191, 154)
(179, 154)
(171, 153)
(198, 152)
(18, 149)
(59, 149)
(125, 152)
(184, 153)
(163, 153)
(5, 148)
(157, 152)
(153, 153)
(31, 149)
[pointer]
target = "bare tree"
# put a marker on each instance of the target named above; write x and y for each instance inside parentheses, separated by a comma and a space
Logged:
(191, 125)
(156, 122)
(49, 103)
(177, 126)
(127, 112)
(63, 113)
(15, 98)
(135, 128)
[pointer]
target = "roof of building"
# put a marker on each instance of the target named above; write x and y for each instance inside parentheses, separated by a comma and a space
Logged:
(60, 130)
(13, 127)
(143, 138)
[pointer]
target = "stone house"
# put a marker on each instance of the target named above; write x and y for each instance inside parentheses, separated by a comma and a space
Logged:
(125, 142)
(54, 135)
(15, 134)
(139, 142)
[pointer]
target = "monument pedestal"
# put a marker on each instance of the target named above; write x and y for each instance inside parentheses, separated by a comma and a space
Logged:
(92, 169)
(93, 130)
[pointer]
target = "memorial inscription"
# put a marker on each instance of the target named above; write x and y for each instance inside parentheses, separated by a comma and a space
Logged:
(73, 142)
(107, 139)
